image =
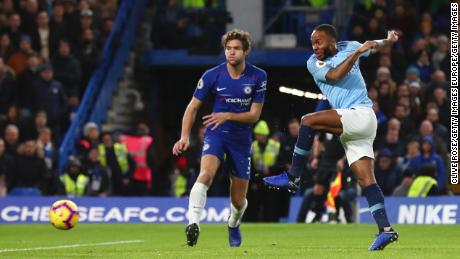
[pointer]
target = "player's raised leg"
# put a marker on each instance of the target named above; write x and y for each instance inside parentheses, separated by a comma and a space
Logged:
(328, 121)
(238, 205)
(198, 194)
(364, 172)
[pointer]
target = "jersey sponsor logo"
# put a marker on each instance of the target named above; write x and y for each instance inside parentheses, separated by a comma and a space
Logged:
(200, 84)
(220, 89)
(247, 90)
(242, 101)
(320, 63)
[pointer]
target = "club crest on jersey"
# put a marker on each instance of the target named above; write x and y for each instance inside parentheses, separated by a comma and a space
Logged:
(200, 84)
(247, 90)
(320, 64)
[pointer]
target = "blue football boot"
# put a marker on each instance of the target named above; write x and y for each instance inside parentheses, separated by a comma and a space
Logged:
(384, 238)
(282, 181)
(234, 236)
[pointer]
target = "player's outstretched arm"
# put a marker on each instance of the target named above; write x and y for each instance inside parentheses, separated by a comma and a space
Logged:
(392, 37)
(337, 73)
(252, 116)
(187, 122)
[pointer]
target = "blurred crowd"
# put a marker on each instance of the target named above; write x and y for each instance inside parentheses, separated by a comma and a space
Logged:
(196, 25)
(48, 51)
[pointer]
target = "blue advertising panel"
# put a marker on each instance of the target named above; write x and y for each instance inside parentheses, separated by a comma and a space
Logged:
(430, 210)
(112, 210)
(433, 210)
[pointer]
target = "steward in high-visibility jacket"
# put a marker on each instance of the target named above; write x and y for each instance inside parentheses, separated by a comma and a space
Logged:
(138, 147)
(265, 161)
(115, 156)
(74, 180)
(422, 186)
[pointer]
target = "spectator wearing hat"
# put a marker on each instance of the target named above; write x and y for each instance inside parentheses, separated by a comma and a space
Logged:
(50, 97)
(67, 69)
(412, 75)
(387, 173)
(428, 155)
(89, 54)
(263, 203)
(75, 180)
(18, 60)
(87, 22)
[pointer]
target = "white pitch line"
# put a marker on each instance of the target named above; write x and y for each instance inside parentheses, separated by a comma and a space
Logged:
(70, 246)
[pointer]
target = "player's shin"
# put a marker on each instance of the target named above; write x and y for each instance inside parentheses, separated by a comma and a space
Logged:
(375, 199)
(236, 214)
(196, 203)
(301, 150)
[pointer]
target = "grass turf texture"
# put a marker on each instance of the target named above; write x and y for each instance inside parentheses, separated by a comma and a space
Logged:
(259, 241)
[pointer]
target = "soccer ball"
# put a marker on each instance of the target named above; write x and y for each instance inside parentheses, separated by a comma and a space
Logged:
(64, 214)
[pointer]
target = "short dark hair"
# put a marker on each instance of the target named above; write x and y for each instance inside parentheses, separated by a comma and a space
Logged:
(328, 29)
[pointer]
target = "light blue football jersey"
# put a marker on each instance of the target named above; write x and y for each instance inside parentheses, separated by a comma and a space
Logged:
(348, 92)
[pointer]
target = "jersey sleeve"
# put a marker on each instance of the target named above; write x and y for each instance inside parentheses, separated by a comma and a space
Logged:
(261, 88)
(204, 86)
(354, 45)
(318, 69)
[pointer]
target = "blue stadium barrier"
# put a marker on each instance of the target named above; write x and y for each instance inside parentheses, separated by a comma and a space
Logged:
(25, 191)
(103, 82)
(13, 210)
(273, 58)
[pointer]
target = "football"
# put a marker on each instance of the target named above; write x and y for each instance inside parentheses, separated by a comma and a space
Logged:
(64, 214)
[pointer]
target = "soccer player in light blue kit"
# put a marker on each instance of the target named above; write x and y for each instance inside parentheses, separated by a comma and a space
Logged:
(238, 89)
(335, 69)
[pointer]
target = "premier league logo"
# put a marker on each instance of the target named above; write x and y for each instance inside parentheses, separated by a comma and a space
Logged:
(247, 90)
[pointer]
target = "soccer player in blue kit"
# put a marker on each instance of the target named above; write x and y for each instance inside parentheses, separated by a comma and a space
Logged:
(238, 89)
(335, 69)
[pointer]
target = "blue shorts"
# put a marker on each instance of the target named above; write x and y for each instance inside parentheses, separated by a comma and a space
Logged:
(236, 147)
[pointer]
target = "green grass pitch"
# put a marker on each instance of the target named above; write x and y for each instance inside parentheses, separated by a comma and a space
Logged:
(259, 241)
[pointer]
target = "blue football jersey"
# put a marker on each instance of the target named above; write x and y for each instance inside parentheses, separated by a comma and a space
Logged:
(232, 95)
(348, 92)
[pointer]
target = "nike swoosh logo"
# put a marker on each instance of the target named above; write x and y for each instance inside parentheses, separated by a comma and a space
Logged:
(220, 89)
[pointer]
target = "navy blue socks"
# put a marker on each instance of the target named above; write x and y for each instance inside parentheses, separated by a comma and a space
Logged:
(301, 150)
(374, 197)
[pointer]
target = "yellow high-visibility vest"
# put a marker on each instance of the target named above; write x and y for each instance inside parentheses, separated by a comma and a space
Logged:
(121, 153)
(421, 186)
(268, 157)
(75, 188)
